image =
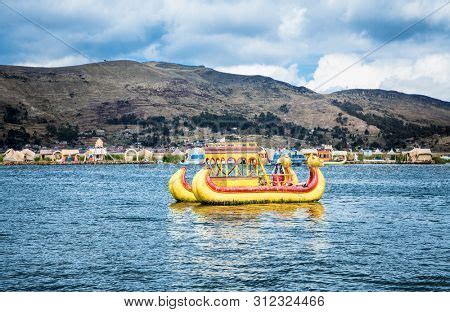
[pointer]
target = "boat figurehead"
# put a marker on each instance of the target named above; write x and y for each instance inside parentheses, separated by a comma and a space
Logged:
(314, 161)
(285, 161)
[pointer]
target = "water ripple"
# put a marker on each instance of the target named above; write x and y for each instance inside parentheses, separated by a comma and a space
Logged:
(87, 228)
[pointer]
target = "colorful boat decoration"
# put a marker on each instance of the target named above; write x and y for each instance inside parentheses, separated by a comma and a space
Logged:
(235, 174)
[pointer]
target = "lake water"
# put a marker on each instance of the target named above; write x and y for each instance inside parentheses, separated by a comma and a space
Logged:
(84, 228)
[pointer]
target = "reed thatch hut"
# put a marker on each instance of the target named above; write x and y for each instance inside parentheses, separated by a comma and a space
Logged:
(13, 156)
(419, 156)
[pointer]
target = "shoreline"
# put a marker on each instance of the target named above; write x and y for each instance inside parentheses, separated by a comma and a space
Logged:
(182, 164)
(76, 164)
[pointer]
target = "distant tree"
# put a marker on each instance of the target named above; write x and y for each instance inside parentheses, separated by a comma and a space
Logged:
(14, 115)
(51, 130)
(65, 132)
(284, 108)
(17, 138)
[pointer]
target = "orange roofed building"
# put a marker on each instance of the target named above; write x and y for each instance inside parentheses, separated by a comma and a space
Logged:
(325, 153)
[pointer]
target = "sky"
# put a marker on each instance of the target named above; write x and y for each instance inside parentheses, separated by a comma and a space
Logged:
(304, 43)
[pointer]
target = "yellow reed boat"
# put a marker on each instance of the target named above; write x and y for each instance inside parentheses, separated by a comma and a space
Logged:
(234, 173)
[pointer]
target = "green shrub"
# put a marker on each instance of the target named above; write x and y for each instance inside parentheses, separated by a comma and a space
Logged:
(116, 156)
(37, 158)
(65, 132)
(174, 159)
(400, 158)
(439, 160)
(1, 158)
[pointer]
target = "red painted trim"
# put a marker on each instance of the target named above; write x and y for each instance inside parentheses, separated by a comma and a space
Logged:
(183, 180)
(311, 175)
(311, 184)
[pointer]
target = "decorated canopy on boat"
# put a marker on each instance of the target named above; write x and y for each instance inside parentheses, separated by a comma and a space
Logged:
(233, 158)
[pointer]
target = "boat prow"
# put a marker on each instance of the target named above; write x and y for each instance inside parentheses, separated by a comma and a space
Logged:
(180, 188)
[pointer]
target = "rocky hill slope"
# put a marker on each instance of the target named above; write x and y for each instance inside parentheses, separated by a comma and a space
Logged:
(161, 103)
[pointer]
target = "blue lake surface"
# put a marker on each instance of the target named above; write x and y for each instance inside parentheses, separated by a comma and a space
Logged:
(85, 228)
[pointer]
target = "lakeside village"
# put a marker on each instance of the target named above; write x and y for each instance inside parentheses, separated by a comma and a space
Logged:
(194, 153)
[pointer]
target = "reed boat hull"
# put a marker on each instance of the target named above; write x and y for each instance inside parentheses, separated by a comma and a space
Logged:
(180, 189)
(207, 192)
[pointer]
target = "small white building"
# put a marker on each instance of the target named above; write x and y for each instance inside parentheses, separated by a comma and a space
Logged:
(309, 151)
(45, 154)
(145, 155)
(177, 152)
(392, 156)
(339, 156)
(377, 154)
(67, 155)
(98, 153)
(195, 156)
(367, 153)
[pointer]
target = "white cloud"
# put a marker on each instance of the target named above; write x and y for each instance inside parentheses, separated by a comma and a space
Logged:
(428, 74)
(93, 20)
(407, 10)
(359, 76)
(149, 53)
(289, 74)
(419, 8)
(261, 35)
(68, 60)
(291, 24)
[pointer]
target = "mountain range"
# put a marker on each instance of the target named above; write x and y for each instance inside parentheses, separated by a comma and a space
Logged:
(160, 104)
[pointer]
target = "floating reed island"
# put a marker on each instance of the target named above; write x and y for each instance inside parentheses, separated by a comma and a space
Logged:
(195, 155)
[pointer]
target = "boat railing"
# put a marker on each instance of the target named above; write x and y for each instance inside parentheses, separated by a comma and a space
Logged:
(279, 179)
